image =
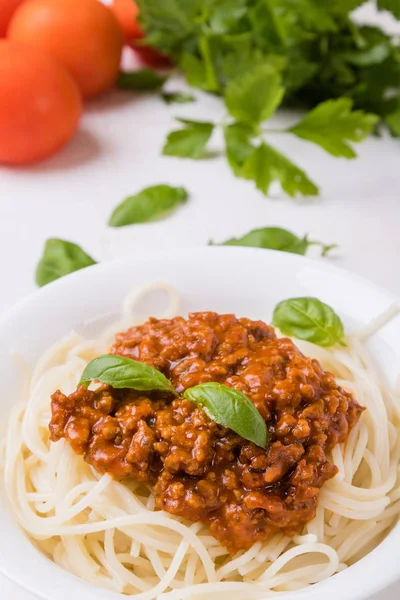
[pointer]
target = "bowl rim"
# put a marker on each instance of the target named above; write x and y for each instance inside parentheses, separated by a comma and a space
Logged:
(376, 571)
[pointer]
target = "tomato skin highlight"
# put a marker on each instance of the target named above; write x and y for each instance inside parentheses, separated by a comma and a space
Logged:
(127, 13)
(84, 35)
(40, 104)
(7, 9)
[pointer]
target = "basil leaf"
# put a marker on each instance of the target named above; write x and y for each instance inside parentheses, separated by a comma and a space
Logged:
(189, 142)
(151, 204)
(141, 81)
(177, 98)
(230, 408)
(60, 258)
(124, 373)
(309, 319)
(275, 238)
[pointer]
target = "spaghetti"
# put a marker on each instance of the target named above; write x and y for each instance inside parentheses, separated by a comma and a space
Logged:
(109, 534)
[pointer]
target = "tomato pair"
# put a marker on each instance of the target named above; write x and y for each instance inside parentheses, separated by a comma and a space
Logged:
(56, 52)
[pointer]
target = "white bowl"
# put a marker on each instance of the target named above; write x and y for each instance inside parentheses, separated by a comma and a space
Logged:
(245, 281)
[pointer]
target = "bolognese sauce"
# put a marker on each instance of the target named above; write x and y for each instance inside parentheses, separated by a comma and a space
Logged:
(201, 470)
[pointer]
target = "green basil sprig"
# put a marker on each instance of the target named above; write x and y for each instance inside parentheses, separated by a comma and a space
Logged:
(151, 204)
(230, 408)
(60, 258)
(122, 372)
(276, 238)
(309, 319)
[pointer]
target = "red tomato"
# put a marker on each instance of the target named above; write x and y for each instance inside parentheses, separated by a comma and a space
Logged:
(151, 56)
(40, 104)
(7, 9)
(82, 34)
(127, 12)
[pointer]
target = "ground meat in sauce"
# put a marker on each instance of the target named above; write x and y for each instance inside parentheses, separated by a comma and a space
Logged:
(198, 469)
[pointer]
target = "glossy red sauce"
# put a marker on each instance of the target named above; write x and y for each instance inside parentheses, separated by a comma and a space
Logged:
(196, 468)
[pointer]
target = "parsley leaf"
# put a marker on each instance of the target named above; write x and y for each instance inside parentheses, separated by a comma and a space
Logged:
(151, 204)
(374, 55)
(266, 165)
(392, 6)
(177, 98)
(393, 122)
(341, 6)
(194, 70)
(143, 80)
(226, 13)
(255, 97)
(262, 54)
(167, 22)
(315, 17)
(332, 123)
(238, 145)
(189, 142)
(276, 238)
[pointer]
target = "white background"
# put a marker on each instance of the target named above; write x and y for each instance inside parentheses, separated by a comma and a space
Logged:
(117, 152)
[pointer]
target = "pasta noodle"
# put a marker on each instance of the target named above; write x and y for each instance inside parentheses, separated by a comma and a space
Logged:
(108, 533)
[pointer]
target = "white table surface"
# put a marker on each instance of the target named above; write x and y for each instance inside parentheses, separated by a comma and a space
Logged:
(116, 153)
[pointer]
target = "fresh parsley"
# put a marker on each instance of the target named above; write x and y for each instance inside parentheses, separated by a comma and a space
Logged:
(392, 6)
(332, 124)
(266, 165)
(189, 142)
(254, 97)
(393, 122)
(260, 55)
